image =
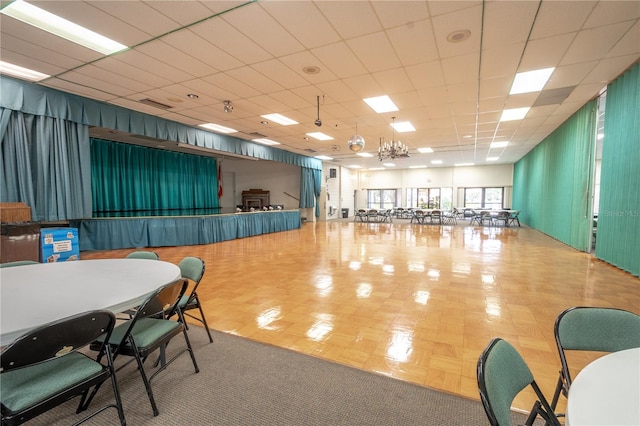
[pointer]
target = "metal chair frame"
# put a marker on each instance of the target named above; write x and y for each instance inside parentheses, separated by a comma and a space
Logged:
(587, 328)
(508, 367)
(46, 355)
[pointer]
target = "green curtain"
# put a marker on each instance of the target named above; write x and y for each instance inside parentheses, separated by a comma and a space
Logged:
(128, 177)
(552, 183)
(618, 239)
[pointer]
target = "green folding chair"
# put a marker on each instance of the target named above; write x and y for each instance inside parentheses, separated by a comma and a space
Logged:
(584, 328)
(502, 375)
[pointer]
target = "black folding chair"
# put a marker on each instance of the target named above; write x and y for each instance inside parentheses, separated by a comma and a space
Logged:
(149, 330)
(44, 368)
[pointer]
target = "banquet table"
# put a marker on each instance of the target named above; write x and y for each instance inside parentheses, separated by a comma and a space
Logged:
(607, 391)
(33, 295)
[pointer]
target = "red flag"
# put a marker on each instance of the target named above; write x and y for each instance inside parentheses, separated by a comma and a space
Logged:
(219, 180)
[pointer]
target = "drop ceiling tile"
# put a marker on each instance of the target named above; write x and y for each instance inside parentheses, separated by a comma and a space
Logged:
(339, 59)
(508, 22)
(461, 69)
(165, 53)
(594, 43)
(304, 21)
(413, 43)
(546, 52)
(222, 35)
(501, 61)
(375, 52)
(561, 17)
(425, 75)
(350, 18)
(273, 37)
(629, 44)
(255, 79)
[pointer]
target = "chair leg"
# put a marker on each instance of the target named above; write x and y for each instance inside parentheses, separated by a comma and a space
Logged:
(204, 321)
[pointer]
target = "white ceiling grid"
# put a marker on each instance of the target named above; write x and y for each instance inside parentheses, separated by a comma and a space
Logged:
(254, 54)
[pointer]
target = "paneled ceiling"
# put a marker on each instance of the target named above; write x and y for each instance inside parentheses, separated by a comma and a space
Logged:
(447, 65)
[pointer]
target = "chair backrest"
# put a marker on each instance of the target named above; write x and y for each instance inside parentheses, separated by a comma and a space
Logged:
(192, 268)
(18, 263)
(587, 328)
(163, 302)
(502, 374)
(57, 339)
(143, 254)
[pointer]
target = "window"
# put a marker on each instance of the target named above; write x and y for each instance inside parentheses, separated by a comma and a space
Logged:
(382, 198)
(430, 198)
(483, 198)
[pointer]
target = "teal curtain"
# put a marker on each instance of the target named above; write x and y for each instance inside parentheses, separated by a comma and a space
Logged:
(128, 177)
(310, 187)
(45, 164)
(618, 239)
(552, 183)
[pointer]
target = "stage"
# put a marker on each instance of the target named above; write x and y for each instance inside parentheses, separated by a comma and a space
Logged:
(117, 231)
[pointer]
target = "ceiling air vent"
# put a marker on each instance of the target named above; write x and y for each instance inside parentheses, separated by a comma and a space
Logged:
(310, 150)
(156, 104)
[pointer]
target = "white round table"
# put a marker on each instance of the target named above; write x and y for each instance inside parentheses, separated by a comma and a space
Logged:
(607, 391)
(33, 295)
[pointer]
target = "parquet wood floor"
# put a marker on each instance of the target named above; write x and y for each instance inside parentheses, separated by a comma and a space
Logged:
(415, 302)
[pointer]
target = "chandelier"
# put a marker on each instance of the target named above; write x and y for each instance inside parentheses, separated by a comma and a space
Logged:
(392, 149)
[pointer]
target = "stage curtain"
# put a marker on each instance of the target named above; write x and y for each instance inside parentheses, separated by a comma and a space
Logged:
(310, 187)
(618, 236)
(45, 164)
(127, 177)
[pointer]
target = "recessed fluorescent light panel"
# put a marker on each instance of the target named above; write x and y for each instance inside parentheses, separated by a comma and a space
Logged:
(492, 158)
(320, 136)
(377, 168)
(323, 157)
(364, 154)
(436, 162)
(54, 24)
(280, 119)
(20, 72)
(418, 167)
(381, 104)
(514, 114)
(425, 150)
(218, 128)
(498, 144)
(530, 81)
(463, 164)
(403, 126)
(388, 164)
(265, 141)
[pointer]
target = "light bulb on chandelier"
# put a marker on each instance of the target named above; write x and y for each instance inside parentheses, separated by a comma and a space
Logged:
(392, 149)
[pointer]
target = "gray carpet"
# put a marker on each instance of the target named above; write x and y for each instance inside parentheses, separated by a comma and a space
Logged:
(242, 382)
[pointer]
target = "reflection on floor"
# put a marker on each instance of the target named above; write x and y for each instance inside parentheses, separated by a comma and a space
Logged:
(415, 302)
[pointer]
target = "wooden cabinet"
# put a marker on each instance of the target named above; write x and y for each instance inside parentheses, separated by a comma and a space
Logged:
(256, 198)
